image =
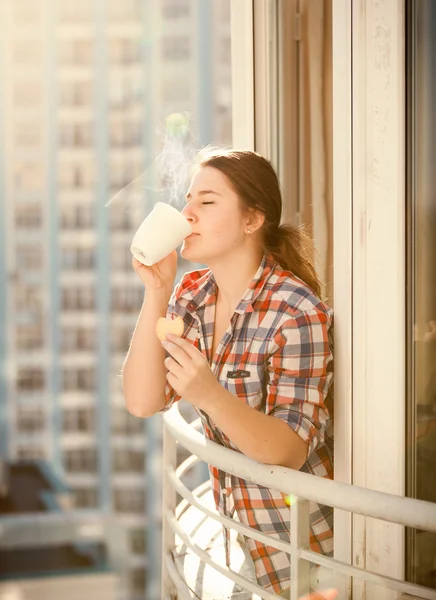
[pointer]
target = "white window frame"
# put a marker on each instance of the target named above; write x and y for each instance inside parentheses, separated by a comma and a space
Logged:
(369, 256)
(379, 311)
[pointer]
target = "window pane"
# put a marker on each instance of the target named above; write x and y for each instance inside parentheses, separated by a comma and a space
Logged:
(421, 414)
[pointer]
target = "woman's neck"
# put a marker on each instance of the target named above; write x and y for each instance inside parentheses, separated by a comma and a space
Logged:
(233, 277)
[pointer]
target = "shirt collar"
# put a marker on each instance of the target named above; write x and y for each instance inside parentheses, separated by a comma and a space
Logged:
(202, 292)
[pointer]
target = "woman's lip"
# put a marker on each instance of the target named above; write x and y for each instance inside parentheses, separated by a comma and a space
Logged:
(192, 235)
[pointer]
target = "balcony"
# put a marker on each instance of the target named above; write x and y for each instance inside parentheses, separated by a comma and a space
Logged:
(193, 557)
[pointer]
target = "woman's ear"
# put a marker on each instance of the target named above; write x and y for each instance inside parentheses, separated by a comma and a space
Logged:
(255, 220)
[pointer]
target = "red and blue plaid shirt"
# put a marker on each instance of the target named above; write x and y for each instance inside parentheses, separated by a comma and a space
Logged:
(276, 356)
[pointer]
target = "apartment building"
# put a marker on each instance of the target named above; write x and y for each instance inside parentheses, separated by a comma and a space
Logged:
(86, 88)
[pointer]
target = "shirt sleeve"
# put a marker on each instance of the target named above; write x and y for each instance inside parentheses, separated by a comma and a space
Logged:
(300, 373)
(170, 394)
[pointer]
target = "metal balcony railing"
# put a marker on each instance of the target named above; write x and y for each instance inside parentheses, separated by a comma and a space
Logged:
(302, 487)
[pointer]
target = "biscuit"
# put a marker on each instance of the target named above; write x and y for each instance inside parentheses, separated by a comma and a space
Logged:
(165, 326)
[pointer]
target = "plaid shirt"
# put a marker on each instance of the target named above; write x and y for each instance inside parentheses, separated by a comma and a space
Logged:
(280, 335)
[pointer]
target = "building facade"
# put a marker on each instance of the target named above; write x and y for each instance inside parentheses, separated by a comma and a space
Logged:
(86, 91)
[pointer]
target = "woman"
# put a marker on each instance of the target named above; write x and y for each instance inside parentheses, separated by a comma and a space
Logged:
(255, 358)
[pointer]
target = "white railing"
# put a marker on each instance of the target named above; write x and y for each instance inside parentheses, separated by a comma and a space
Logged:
(303, 488)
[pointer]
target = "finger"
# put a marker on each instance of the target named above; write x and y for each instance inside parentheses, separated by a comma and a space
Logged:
(186, 346)
(177, 353)
(173, 366)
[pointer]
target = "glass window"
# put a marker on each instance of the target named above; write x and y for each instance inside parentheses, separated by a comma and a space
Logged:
(129, 500)
(30, 420)
(28, 215)
(27, 11)
(175, 48)
(137, 541)
(28, 94)
(78, 299)
(85, 497)
(176, 9)
(81, 460)
(78, 420)
(138, 581)
(30, 379)
(123, 423)
(126, 460)
(27, 53)
(75, 93)
(29, 177)
(421, 409)
(31, 452)
(125, 10)
(78, 11)
(29, 257)
(28, 134)
(75, 52)
(74, 339)
(29, 337)
(82, 379)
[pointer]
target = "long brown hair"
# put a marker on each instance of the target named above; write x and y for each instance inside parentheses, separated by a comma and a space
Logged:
(256, 184)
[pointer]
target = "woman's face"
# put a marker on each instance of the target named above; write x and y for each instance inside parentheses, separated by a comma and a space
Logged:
(217, 221)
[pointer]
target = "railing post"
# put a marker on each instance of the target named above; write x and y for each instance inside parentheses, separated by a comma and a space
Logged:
(168, 502)
(300, 538)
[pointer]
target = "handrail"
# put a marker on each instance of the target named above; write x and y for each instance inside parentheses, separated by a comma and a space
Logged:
(409, 512)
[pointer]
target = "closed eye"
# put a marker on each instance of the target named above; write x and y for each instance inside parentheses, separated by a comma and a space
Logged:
(208, 202)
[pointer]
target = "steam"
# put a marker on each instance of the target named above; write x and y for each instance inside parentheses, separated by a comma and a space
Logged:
(168, 177)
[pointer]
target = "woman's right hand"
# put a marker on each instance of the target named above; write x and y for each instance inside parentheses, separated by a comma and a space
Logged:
(160, 276)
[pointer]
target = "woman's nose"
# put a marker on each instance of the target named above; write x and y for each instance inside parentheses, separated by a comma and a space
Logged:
(188, 213)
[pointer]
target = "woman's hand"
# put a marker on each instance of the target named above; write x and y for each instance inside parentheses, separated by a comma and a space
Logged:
(189, 373)
(159, 276)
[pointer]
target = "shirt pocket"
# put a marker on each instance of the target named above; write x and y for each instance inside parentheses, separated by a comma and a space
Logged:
(246, 382)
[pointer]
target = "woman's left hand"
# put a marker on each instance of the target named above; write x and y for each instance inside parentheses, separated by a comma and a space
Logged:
(189, 373)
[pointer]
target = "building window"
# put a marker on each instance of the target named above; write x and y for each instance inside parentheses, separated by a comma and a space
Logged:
(29, 257)
(78, 299)
(28, 215)
(30, 379)
(27, 53)
(175, 48)
(125, 134)
(75, 93)
(29, 177)
(137, 541)
(28, 299)
(129, 501)
(30, 452)
(27, 94)
(78, 258)
(28, 134)
(78, 420)
(127, 299)
(121, 258)
(128, 461)
(74, 339)
(76, 135)
(124, 51)
(175, 9)
(79, 216)
(121, 337)
(29, 337)
(81, 460)
(85, 498)
(77, 52)
(125, 10)
(125, 424)
(82, 379)
(77, 176)
(78, 11)
(30, 420)
(138, 581)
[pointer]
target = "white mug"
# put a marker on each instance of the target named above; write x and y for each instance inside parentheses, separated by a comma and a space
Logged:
(159, 234)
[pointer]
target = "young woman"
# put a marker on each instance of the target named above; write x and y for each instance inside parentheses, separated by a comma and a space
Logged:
(255, 358)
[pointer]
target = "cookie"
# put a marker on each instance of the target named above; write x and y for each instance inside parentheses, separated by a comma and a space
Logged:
(165, 326)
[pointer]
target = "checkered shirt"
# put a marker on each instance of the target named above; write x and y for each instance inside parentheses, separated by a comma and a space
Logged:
(281, 334)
